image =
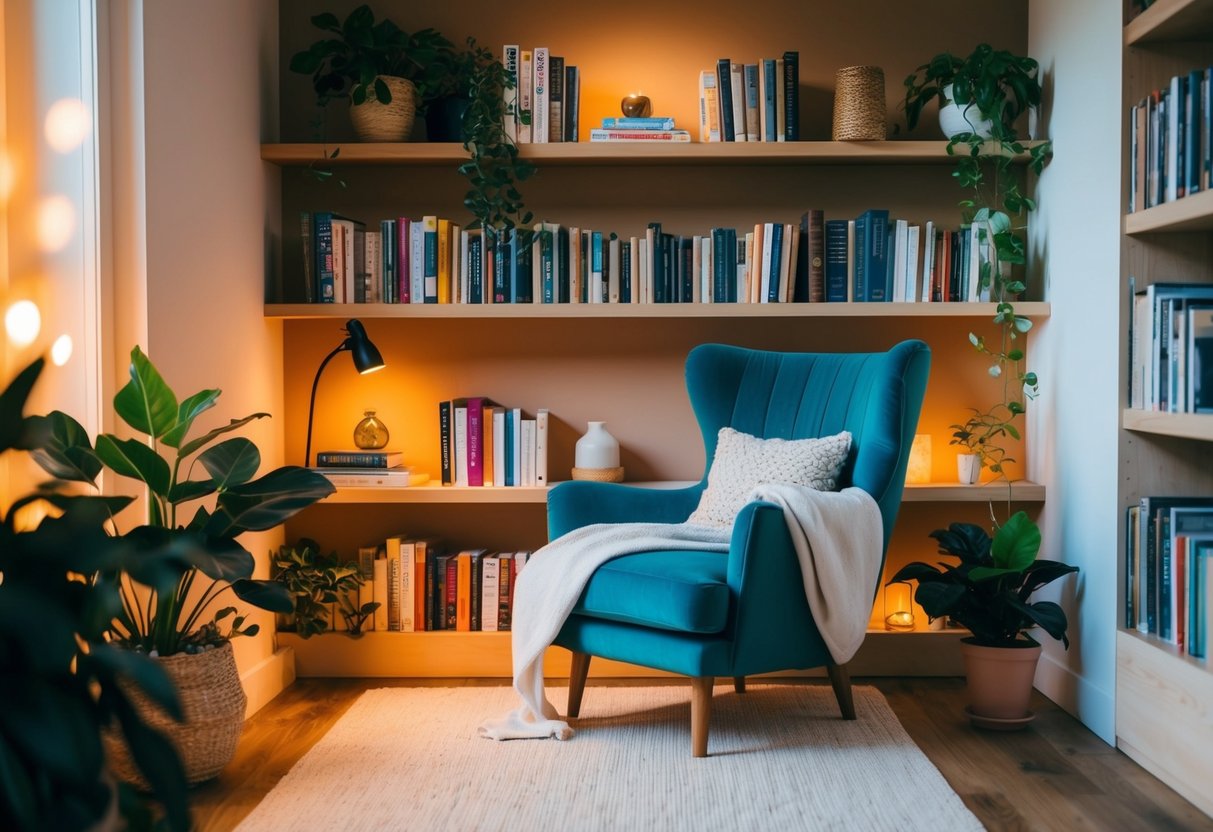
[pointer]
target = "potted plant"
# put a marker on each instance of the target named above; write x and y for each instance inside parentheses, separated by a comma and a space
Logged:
(317, 582)
(384, 71)
(64, 682)
(989, 593)
(179, 568)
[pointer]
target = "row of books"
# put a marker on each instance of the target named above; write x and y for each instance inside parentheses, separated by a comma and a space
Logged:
(486, 444)
(1168, 580)
(543, 105)
(1171, 141)
(1171, 348)
(421, 586)
(640, 129)
(757, 102)
(871, 258)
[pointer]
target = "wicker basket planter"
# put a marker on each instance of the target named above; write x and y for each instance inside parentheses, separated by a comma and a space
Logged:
(213, 701)
(859, 105)
(393, 122)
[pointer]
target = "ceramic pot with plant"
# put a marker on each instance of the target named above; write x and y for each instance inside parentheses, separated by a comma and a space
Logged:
(182, 566)
(989, 593)
(384, 71)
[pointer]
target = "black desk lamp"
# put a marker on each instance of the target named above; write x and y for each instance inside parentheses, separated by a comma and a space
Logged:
(366, 360)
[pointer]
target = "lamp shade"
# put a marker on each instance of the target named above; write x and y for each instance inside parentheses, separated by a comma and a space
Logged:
(366, 355)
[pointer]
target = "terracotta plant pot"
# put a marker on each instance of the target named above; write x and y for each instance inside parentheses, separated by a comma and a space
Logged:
(393, 122)
(1000, 682)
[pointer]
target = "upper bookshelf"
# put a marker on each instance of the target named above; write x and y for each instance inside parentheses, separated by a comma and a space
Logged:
(1183, 425)
(591, 153)
(1171, 20)
(1030, 309)
(1190, 213)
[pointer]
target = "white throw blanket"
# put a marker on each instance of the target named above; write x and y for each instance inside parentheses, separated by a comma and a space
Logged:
(838, 541)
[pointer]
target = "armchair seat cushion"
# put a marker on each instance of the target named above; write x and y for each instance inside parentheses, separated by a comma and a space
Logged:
(685, 591)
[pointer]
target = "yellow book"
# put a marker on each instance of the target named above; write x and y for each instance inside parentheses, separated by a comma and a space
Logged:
(486, 427)
(463, 592)
(444, 261)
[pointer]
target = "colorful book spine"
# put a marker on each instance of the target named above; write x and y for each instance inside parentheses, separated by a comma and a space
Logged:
(639, 123)
(644, 135)
(509, 61)
(475, 439)
(541, 97)
(359, 459)
(429, 230)
(709, 107)
(749, 75)
(322, 230)
(526, 87)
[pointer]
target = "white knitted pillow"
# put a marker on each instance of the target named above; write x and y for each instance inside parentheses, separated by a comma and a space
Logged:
(743, 461)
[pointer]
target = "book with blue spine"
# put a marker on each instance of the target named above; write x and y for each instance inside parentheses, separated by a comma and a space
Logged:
(773, 287)
(429, 236)
(769, 86)
(387, 232)
(322, 250)
(638, 123)
(749, 75)
(871, 255)
(503, 255)
(836, 261)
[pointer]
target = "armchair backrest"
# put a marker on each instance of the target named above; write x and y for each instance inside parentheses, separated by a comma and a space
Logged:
(789, 395)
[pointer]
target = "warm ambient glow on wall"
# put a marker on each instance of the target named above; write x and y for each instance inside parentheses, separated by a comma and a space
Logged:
(919, 468)
(367, 359)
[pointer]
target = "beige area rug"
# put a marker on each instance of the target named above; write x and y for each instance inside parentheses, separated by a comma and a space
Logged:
(781, 758)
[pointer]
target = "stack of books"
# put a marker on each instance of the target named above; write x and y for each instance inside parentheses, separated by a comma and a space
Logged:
(654, 129)
(367, 469)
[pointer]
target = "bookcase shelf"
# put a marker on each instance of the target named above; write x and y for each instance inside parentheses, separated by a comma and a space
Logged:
(1190, 213)
(1169, 20)
(1184, 425)
(1022, 491)
(591, 153)
(1031, 309)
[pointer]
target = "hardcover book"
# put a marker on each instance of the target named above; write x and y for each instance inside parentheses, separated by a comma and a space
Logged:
(359, 459)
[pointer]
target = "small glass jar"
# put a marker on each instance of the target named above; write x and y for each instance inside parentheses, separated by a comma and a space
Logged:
(370, 434)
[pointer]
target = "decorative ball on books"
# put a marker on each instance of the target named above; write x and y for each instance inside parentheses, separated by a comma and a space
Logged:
(636, 106)
(596, 456)
(370, 434)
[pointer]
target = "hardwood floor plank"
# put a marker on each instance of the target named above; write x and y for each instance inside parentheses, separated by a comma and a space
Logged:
(1055, 775)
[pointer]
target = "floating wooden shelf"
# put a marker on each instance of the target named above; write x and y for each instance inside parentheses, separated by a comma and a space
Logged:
(1022, 491)
(596, 154)
(1168, 20)
(1189, 213)
(1031, 309)
(1183, 425)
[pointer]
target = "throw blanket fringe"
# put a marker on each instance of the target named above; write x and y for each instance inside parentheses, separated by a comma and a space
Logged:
(837, 536)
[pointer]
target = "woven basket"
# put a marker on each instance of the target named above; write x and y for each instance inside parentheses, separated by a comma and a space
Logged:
(859, 104)
(393, 122)
(599, 474)
(213, 702)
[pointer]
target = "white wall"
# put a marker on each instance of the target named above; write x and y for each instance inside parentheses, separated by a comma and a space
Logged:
(1076, 235)
(210, 81)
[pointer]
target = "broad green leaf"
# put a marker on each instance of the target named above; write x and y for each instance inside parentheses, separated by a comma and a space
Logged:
(986, 573)
(268, 501)
(187, 412)
(60, 445)
(210, 436)
(12, 405)
(131, 458)
(158, 762)
(267, 595)
(1016, 543)
(146, 403)
(938, 598)
(231, 462)
(190, 490)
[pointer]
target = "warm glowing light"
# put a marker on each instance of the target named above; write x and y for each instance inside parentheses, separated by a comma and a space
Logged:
(67, 124)
(61, 350)
(8, 175)
(23, 322)
(919, 468)
(56, 222)
(899, 611)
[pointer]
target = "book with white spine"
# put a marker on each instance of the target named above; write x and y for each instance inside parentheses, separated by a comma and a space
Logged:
(526, 80)
(509, 60)
(540, 95)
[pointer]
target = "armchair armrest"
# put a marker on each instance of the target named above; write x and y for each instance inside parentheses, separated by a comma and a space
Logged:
(578, 503)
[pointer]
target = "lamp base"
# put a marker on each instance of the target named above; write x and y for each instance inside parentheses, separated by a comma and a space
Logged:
(599, 474)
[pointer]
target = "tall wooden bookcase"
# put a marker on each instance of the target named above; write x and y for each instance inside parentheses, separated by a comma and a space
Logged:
(1164, 717)
(624, 365)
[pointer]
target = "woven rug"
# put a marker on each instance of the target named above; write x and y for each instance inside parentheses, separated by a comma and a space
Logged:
(781, 757)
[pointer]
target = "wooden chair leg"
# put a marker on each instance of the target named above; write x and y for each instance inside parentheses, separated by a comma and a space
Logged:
(739, 684)
(840, 678)
(579, 669)
(701, 714)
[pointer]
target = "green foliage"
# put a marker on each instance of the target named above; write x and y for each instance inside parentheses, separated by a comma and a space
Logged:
(59, 593)
(159, 613)
(315, 581)
(348, 62)
(988, 591)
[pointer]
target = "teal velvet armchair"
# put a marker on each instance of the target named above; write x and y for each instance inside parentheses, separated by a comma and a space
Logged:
(710, 614)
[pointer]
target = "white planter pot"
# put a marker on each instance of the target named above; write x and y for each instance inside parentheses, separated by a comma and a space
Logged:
(953, 120)
(968, 468)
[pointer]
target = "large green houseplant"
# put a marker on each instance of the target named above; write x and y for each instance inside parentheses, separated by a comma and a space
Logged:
(183, 561)
(63, 680)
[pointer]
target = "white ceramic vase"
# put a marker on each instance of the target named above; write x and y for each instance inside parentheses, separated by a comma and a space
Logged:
(597, 449)
(968, 468)
(953, 120)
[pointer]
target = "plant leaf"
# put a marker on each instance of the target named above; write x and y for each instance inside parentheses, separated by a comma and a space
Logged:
(60, 445)
(231, 462)
(268, 501)
(146, 403)
(267, 595)
(12, 405)
(132, 458)
(209, 436)
(1016, 543)
(187, 412)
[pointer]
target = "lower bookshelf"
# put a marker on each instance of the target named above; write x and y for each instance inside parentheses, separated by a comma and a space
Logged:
(449, 655)
(1164, 713)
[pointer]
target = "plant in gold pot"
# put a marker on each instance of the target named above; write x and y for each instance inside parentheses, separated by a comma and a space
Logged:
(384, 71)
(183, 566)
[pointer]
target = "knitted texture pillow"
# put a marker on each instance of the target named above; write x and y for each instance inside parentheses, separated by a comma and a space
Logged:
(743, 461)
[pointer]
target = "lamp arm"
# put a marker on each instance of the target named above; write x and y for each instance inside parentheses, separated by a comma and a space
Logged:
(311, 408)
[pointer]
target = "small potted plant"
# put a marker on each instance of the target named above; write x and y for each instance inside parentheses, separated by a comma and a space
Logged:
(384, 71)
(318, 583)
(988, 592)
(180, 567)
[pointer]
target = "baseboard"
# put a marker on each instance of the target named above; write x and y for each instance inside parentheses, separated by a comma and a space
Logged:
(268, 678)
(1092, 706)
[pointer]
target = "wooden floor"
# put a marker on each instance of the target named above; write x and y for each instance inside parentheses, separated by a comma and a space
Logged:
(1056, 775)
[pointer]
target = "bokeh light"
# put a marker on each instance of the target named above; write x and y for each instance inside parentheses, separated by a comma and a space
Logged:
(61, 350)
(56, 222)
(67, 124)
(23, 322)
(8, 175)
